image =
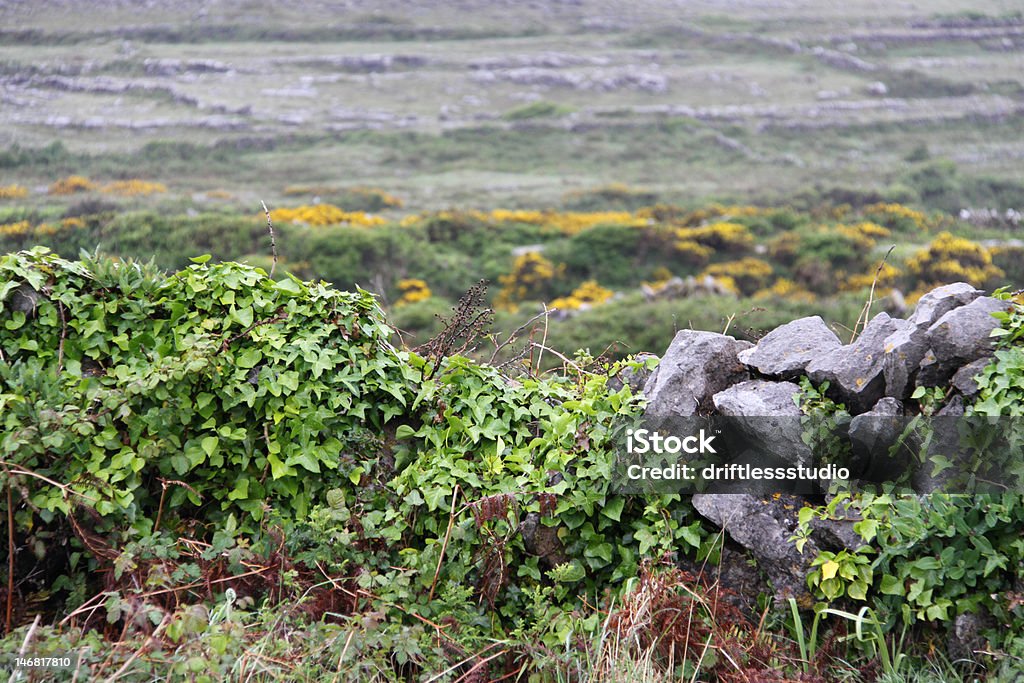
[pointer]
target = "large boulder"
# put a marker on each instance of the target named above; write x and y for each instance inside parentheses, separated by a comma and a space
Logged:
(959, 337)
(907, 347)
(855, 371)
(786, 351)
(764, 527)
(696, 366)
(768, 415)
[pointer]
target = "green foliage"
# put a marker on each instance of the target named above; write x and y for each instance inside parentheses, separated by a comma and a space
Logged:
(120, 377)
(840, 574)
(272, 419)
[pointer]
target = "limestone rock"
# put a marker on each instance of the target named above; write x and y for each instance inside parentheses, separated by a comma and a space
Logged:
(696, 366)
(767, 413)
(959, 337)
(786, 351)
(963, 379)
(764, 528)
(855, 371)
(906, 348)
(872, 435)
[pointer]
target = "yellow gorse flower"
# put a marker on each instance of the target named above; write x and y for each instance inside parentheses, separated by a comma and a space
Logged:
(413, 290)
(568, 222)
(325, 214)
(133, 188)
(13, 192)
(718, 236)
(588, 293)
(71, 185)
(950, 259)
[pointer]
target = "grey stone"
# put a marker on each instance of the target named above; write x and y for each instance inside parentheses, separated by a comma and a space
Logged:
(543, 541)
(766, 412)
(946, 442)
(967, 635)
(787, 350)
(763, 527)
(836, 533)
(855, 371)
(941, 301)
(695, 366)
(906, 348)
(963, 379)
(959, 337)
(25, 299)
(904, 351)
(872, 435)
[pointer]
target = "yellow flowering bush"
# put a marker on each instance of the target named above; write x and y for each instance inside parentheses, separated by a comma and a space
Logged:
(13, 192)
(531, 274)
(588, 294)
(693, 253)
(872, 230)
(897, 216)
(785, 247)
(412, 291)
(888, 276)
(747, 274)
(718, 236)
(856, 239)
(23, 228)
(71, 185)
(133, 188)
(219, 194)
(951, 259)
(720, 211)
(325, 214)
(15, 229)
(784, 288)
(567, 222)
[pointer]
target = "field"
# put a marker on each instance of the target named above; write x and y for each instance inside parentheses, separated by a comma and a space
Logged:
(514, 106)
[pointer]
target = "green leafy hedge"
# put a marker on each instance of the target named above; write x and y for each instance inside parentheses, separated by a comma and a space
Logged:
(118, 378)
(265, 417)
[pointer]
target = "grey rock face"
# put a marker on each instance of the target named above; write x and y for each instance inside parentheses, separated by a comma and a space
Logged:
(957, 338)
(695, 366)
(941, 301)
(872, 435)
(855, 371)
(963, 380)
(763, 528)
(767, 413)
(786, 351)
(906, 348)
(25, 299)
(904, 351)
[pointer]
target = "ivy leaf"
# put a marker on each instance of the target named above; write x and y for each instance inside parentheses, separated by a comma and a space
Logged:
(829, 569)
(613, 508)
(210, 445)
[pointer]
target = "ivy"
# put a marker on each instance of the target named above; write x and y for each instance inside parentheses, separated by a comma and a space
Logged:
(268, 418)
